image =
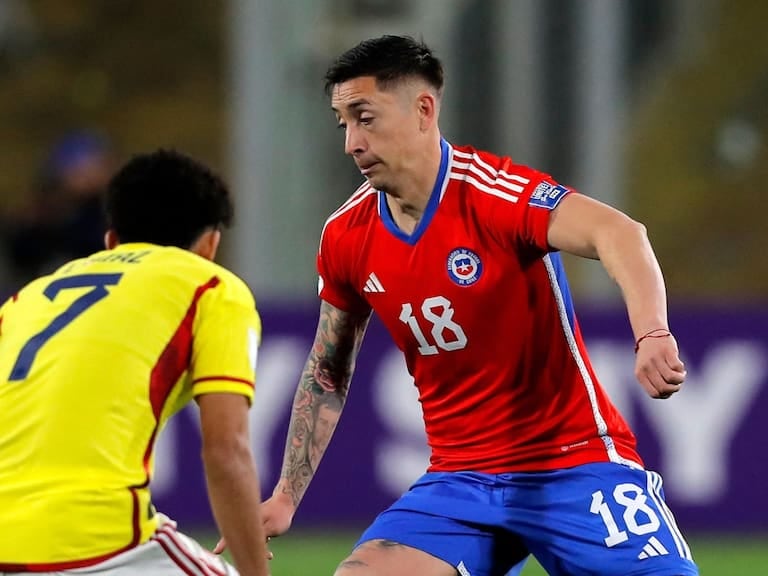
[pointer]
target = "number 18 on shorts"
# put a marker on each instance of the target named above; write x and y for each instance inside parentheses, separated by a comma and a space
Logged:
(607, 519)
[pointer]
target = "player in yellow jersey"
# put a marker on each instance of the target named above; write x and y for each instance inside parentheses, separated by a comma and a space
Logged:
(96, 357)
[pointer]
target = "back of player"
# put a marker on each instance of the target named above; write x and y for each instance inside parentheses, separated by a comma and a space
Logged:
(92, 356)
(94, 359)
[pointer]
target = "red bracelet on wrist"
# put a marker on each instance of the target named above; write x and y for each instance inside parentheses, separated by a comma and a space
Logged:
(655, 333)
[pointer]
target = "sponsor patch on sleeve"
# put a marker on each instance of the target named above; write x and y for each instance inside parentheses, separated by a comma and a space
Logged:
(548, 195)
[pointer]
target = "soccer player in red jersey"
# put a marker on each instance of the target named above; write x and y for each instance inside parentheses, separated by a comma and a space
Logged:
(456, 250)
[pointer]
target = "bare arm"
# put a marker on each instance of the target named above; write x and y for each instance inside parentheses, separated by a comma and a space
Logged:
(320, 397)
(583, 226)
(233, 483)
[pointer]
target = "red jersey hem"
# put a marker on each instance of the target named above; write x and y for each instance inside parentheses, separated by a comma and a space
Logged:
(539, 464)
(68, 565)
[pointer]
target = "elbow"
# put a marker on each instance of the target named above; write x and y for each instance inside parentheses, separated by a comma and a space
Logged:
(638, 228)
(629, 228)
(639, 235)
(231, 454)
(623, 231)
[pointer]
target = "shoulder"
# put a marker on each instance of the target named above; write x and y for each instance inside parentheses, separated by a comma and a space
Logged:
(34, 287)
(228, 285)
(203, 276)
(29, 299)
(356, 210)
(493, 178)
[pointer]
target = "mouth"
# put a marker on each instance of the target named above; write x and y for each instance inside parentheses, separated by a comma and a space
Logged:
(365, 169)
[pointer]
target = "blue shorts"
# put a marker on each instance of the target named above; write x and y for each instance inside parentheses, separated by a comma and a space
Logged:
(599, 519)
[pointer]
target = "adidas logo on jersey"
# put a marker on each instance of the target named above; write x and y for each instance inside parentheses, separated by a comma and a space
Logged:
(373, 285)
(653, 548)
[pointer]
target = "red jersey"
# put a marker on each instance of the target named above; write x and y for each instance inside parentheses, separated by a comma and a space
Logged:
(479, 304)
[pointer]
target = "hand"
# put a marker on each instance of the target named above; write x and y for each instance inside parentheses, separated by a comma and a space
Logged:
(221, 545)
(276, 515)
(658, 367)
(162, 520)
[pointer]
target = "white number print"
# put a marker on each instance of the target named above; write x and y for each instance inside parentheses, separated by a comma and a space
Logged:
(442, 326)
(634, 501)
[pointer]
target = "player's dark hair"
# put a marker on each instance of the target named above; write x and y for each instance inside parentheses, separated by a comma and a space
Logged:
(166, 198)
(389, 59)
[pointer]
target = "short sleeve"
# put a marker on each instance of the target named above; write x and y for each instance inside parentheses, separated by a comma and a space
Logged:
(524, 222)
(226, 340)
(332, 286)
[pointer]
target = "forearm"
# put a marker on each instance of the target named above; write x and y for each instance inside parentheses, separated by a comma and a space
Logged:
(320, 397)
(306, 443)
(628, 257)
(235, 497)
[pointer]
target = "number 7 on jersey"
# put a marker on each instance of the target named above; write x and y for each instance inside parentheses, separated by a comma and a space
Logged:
(98, 282)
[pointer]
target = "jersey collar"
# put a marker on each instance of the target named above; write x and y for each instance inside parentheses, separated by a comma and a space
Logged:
(432, 204)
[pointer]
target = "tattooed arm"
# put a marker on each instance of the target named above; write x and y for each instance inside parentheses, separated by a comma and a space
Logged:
(317, 406)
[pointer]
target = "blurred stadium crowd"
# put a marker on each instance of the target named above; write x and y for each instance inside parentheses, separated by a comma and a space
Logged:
(693, 82)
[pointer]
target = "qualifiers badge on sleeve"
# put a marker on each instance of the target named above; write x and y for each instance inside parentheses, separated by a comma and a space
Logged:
(548, 195)
(464, 266)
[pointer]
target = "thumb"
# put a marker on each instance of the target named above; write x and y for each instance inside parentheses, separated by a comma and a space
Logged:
(674, 362)
(221, 545)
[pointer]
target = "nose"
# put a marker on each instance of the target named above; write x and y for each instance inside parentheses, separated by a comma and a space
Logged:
(354, 140)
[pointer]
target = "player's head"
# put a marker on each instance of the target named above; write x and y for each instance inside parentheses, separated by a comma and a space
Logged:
(386, 95)
(388, 59)
(169, 199)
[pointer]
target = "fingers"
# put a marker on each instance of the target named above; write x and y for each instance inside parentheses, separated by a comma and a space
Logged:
(656, 385)
(672, 372)
(659, 369)
(221, 545)
(163, 520)
(673, 369)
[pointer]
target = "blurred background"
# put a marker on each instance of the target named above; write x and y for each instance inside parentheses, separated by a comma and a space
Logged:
(659, 107)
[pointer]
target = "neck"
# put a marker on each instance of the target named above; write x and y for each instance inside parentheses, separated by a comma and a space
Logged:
(408, 202)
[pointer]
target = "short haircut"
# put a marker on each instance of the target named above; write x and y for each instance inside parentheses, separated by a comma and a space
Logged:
(389, 59)
(166, 198)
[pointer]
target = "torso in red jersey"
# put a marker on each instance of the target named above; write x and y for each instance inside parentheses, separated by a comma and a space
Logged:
(480, 307)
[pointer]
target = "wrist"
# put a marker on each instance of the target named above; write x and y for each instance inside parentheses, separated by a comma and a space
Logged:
(655, 333)
(284, 495)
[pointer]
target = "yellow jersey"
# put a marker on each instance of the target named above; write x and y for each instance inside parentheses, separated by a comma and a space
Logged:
(94, 359)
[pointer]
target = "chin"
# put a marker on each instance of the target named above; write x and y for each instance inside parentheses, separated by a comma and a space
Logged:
(377, 182)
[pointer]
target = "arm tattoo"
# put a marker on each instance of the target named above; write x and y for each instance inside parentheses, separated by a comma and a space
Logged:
(320, 396)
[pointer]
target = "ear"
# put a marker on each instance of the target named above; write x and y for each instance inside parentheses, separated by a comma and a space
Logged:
(427, 107)
(207, 244)
(110, 239)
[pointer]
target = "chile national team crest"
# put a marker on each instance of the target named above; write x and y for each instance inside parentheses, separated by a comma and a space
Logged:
(464, 266)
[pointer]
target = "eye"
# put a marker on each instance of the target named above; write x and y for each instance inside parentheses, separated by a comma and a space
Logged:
(341, 125)
(366, 120)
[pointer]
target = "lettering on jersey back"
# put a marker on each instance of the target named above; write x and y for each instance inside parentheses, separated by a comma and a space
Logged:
(126, 257)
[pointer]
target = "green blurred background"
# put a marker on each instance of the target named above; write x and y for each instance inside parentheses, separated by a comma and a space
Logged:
(656, 106)
(305, 553)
